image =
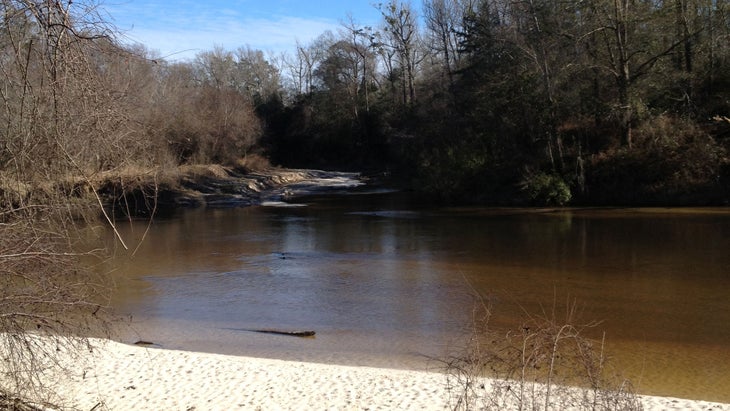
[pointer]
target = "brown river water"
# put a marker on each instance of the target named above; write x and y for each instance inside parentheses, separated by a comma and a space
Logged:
(385, 282)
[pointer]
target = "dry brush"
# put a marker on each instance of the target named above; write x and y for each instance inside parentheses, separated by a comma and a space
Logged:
(547, 363)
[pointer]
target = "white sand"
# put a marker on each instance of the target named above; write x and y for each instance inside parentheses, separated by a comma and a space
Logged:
(122, 377)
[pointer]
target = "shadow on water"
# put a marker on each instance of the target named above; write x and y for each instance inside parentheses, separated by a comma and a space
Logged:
(386, 282)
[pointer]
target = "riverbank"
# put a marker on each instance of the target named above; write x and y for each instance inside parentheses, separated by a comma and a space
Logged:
(115, 376)
(214, 186)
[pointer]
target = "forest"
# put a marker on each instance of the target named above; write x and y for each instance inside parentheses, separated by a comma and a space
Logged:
(495, 102)
(537, 102)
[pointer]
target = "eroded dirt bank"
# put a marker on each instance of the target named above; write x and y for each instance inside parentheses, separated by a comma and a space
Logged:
(217, 186)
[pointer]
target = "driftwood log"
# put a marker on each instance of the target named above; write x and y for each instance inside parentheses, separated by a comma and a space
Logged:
(305, 333)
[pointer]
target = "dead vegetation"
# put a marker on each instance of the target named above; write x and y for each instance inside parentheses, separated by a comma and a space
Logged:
(547, 363)
(61, 123)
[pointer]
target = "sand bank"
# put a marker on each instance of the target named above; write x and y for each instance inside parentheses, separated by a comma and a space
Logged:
(115, 376)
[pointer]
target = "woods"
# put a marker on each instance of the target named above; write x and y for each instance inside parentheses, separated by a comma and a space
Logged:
(530, 102)
(534, 102)
(494, 101)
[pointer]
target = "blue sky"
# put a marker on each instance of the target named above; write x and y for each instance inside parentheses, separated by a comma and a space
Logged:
(181, 29)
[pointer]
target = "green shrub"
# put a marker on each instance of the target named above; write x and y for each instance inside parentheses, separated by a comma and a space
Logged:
(546, 189)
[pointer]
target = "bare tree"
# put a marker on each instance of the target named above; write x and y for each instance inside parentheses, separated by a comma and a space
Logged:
(255, 75)
(203, 111)
(301, 67)
(362, 42)
(217, 68)
(64, 111)
(340, 74)
(443, 19)
(628, 49)
(402, 32)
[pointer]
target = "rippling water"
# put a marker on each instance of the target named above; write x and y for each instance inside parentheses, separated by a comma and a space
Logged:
(388, 283)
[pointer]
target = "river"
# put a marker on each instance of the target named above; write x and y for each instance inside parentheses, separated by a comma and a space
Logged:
(387, 282)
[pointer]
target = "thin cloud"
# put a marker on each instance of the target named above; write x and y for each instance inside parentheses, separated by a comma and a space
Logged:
(180, 35)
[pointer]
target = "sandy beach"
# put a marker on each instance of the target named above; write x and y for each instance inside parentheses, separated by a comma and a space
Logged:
(114, 376)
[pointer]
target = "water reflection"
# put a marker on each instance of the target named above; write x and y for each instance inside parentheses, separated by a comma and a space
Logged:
(383, 282)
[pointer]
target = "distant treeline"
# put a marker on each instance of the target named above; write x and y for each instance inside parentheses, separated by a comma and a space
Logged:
(522, 102)
(494, 101)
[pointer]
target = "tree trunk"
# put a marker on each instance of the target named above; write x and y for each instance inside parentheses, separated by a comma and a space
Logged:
(626, 115)
(623, 72)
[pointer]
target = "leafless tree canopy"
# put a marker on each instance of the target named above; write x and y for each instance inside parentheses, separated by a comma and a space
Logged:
(65, 116)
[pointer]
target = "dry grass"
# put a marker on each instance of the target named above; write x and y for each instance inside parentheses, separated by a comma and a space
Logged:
(253, 162)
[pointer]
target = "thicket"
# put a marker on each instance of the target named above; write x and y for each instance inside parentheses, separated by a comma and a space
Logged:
(59, 122)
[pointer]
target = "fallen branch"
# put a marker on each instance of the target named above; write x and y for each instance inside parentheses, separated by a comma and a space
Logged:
(307, 333)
